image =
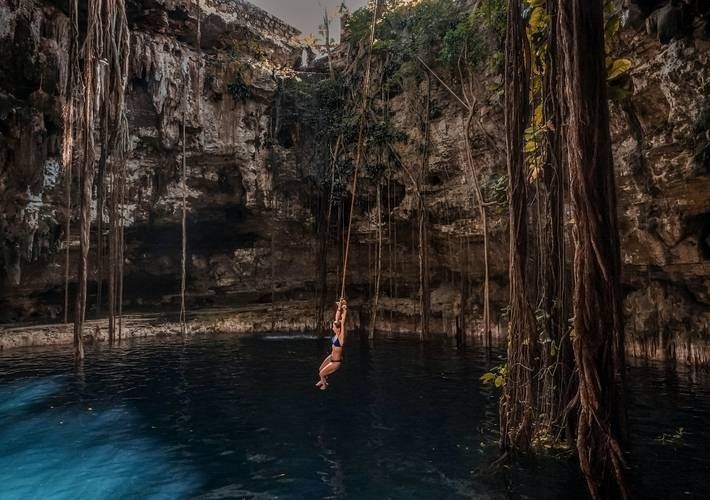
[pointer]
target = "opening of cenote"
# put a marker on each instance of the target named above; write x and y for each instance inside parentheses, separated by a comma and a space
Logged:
(359, 249)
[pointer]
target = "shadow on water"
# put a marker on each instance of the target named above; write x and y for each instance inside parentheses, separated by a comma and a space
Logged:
(222, 417)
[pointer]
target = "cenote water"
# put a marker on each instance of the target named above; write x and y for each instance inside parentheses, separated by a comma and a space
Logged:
(226, 417)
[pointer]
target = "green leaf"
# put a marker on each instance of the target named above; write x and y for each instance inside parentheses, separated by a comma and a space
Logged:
(530, 147)
(499, 381)
(618, 68)
(618, 94)
(487, 377)
(538, 19)
(612, 26)
(538, 116)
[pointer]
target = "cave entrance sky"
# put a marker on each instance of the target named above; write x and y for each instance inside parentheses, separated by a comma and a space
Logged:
(306, 15)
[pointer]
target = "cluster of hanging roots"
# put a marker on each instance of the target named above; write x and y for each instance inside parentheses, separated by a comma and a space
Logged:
(389, 154)
(550, 393)
(324, 228)
(95, 110)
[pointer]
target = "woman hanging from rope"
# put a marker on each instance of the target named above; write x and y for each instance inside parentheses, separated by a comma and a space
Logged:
(332, 362)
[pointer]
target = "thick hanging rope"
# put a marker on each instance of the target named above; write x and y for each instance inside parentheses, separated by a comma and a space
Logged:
(360, 143)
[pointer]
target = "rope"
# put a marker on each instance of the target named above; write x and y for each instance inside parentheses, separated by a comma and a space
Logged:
(358, 154)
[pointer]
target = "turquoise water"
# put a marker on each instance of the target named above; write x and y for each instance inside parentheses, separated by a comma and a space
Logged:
(223, 417)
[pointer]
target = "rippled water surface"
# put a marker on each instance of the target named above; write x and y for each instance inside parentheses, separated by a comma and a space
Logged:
(223, 417)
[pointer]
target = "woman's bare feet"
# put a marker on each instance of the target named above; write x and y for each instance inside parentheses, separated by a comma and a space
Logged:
(323, 384)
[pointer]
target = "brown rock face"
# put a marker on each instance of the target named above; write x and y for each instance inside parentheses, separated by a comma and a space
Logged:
(662, 153)
(253, 190)
(225, 90)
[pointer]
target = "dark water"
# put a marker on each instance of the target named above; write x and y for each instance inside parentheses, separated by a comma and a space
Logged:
(224, 417)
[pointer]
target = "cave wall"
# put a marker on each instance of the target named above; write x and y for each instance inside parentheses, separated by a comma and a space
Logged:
(226, 91)
(662, 157)
(252, 189)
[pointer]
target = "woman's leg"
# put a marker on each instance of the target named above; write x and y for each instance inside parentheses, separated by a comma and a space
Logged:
(325, 362)
(330, 368)
(322, 382)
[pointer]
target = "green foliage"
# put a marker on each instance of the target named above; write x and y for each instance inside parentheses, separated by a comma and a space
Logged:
(382, 133)
(317, 105)
(407, 30)
(239, 90)
(618, 82)
(477, 40)
(375, 171)
(618, 68)
(429, 24)
(233, 53)
(537, 29)
(394, 74)
(496, 191)
(330, 96)
(496, 376)
(675, 438)
(437, 32)
(358, 25)
(343, 169)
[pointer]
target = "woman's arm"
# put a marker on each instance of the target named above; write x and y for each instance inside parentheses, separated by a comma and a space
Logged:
(339, 310)
(343, 318)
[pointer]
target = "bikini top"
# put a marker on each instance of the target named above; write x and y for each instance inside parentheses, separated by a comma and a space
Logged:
(336, 341)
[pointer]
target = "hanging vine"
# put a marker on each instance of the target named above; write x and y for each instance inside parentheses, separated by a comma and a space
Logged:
(105, 72)
(183, 224)
(72, 98)
(518, 399)
(598, 324)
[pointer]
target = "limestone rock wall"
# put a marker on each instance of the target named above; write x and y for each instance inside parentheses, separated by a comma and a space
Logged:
(224, 91)
(662, 154)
